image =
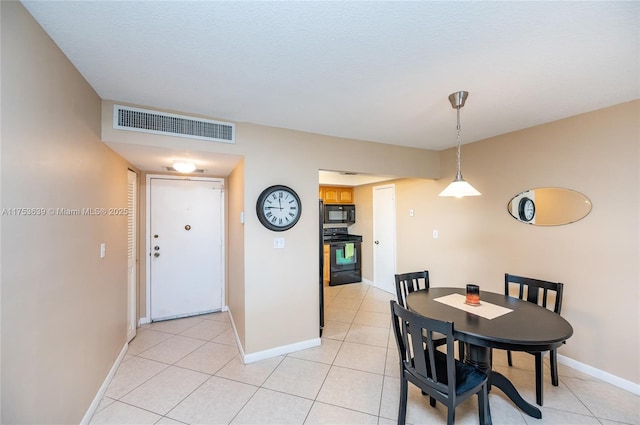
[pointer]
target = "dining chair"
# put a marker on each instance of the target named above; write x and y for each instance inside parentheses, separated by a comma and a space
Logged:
(538, 292)
(407, 283)
(437, 374)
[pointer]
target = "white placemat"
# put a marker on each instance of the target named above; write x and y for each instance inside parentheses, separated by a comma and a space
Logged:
(485, 309)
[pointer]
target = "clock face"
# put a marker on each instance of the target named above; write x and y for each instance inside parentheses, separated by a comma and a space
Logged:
(526, 209)
(278, 208)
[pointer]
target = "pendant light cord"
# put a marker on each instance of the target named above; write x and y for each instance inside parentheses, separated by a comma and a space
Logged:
(459, 175)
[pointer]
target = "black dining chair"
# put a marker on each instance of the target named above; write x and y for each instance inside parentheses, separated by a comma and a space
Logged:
(407, 283)
(437, 374)
(538, 292)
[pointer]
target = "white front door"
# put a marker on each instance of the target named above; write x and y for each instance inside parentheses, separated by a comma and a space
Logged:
(132, 253)
(384, 238)
(185, 247)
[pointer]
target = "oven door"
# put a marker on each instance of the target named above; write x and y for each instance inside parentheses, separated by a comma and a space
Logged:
(345, 262)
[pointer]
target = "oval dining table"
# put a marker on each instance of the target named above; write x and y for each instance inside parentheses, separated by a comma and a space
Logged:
(527, 327)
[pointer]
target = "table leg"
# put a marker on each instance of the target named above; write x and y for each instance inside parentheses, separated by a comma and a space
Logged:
(480, 357)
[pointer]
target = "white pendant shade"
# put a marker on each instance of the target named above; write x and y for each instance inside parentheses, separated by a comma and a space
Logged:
(459, 188)
(184, 166)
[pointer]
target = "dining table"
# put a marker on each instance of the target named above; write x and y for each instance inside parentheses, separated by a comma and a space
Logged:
(498, 321)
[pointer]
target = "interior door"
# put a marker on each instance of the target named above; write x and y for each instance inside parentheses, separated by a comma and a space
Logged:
(186, 247)
(132, 257)
(384, 237)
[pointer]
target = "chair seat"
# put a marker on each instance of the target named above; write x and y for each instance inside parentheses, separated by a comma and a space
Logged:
(467, 376)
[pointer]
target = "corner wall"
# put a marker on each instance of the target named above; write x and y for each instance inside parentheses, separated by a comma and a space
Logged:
(63, 308)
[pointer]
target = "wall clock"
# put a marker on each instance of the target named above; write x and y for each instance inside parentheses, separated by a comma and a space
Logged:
(278, 208)
(526, 209)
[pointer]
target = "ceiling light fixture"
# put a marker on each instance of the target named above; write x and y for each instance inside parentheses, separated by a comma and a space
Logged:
(459, 187)
(184, 166)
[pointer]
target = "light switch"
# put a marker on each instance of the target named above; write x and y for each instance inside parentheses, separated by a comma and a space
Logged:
(103, 250)
(435, 234)
(411, 212)
(278, 243)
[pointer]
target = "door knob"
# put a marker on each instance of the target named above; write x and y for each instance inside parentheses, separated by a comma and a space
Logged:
(156, 254)
(377, 242)
(157, 248)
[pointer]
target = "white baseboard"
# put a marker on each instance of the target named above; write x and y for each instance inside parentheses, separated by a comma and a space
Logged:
(278, 351)
(235, 332)
(600, 374)
(272, 352)
(103, 388)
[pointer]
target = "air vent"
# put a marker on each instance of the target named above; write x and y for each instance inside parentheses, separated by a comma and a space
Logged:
(146, 121)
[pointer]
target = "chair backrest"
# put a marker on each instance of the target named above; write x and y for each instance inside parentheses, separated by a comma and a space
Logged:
(406, 283)
(537, 291)
(421, 363)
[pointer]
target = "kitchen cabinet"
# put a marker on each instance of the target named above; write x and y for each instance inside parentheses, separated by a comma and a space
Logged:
(327, 264)
(336, 194)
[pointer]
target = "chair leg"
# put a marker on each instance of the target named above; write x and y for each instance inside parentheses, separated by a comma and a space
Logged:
(539, 377)
(461, 350)
(553, 360)
(402, 406)
(451, 415)
(432, 402)
(483, 406)
(509, 358)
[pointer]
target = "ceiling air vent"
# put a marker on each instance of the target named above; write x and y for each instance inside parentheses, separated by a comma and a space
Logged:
(154, 122)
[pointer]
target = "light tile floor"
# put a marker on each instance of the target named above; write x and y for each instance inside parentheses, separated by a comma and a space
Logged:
(188, 371)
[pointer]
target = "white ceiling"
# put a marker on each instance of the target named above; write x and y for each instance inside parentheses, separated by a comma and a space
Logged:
(378, 71)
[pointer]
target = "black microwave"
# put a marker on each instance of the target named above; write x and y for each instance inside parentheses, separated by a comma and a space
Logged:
(339, 213)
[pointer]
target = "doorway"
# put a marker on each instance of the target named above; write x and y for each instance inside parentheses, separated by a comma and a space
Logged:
(384, 237)
(185, 245)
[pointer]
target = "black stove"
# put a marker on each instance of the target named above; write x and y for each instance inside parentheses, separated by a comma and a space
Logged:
(345, 262)
(339, 234)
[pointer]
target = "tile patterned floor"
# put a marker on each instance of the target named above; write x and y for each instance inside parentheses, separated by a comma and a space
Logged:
(188, 371)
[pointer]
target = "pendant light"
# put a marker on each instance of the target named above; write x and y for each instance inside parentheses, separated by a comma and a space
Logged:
(459, 187)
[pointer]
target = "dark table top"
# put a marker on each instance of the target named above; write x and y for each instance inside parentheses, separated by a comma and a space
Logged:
(528, 327)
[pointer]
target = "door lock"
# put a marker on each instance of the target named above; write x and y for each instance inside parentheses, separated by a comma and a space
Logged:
(377, 242)
(157, 248)
(156, 254)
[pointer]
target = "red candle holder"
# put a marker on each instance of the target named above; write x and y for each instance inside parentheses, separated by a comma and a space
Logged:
(473, 294)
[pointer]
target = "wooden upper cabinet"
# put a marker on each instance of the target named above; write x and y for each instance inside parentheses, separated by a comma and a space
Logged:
(336, 195)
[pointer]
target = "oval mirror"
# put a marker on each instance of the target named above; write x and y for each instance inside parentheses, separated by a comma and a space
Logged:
(549, 206)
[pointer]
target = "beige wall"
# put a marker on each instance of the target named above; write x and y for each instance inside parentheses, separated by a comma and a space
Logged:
(63, 308)
(235, 249)
(274, 297)
(596, 258)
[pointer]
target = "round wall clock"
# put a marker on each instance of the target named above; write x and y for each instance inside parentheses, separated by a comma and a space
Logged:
(526, 209)
(278, 208)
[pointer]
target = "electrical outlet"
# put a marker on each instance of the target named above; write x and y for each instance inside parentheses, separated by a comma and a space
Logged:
(278, 243)
(435, 234)
(103, 250)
